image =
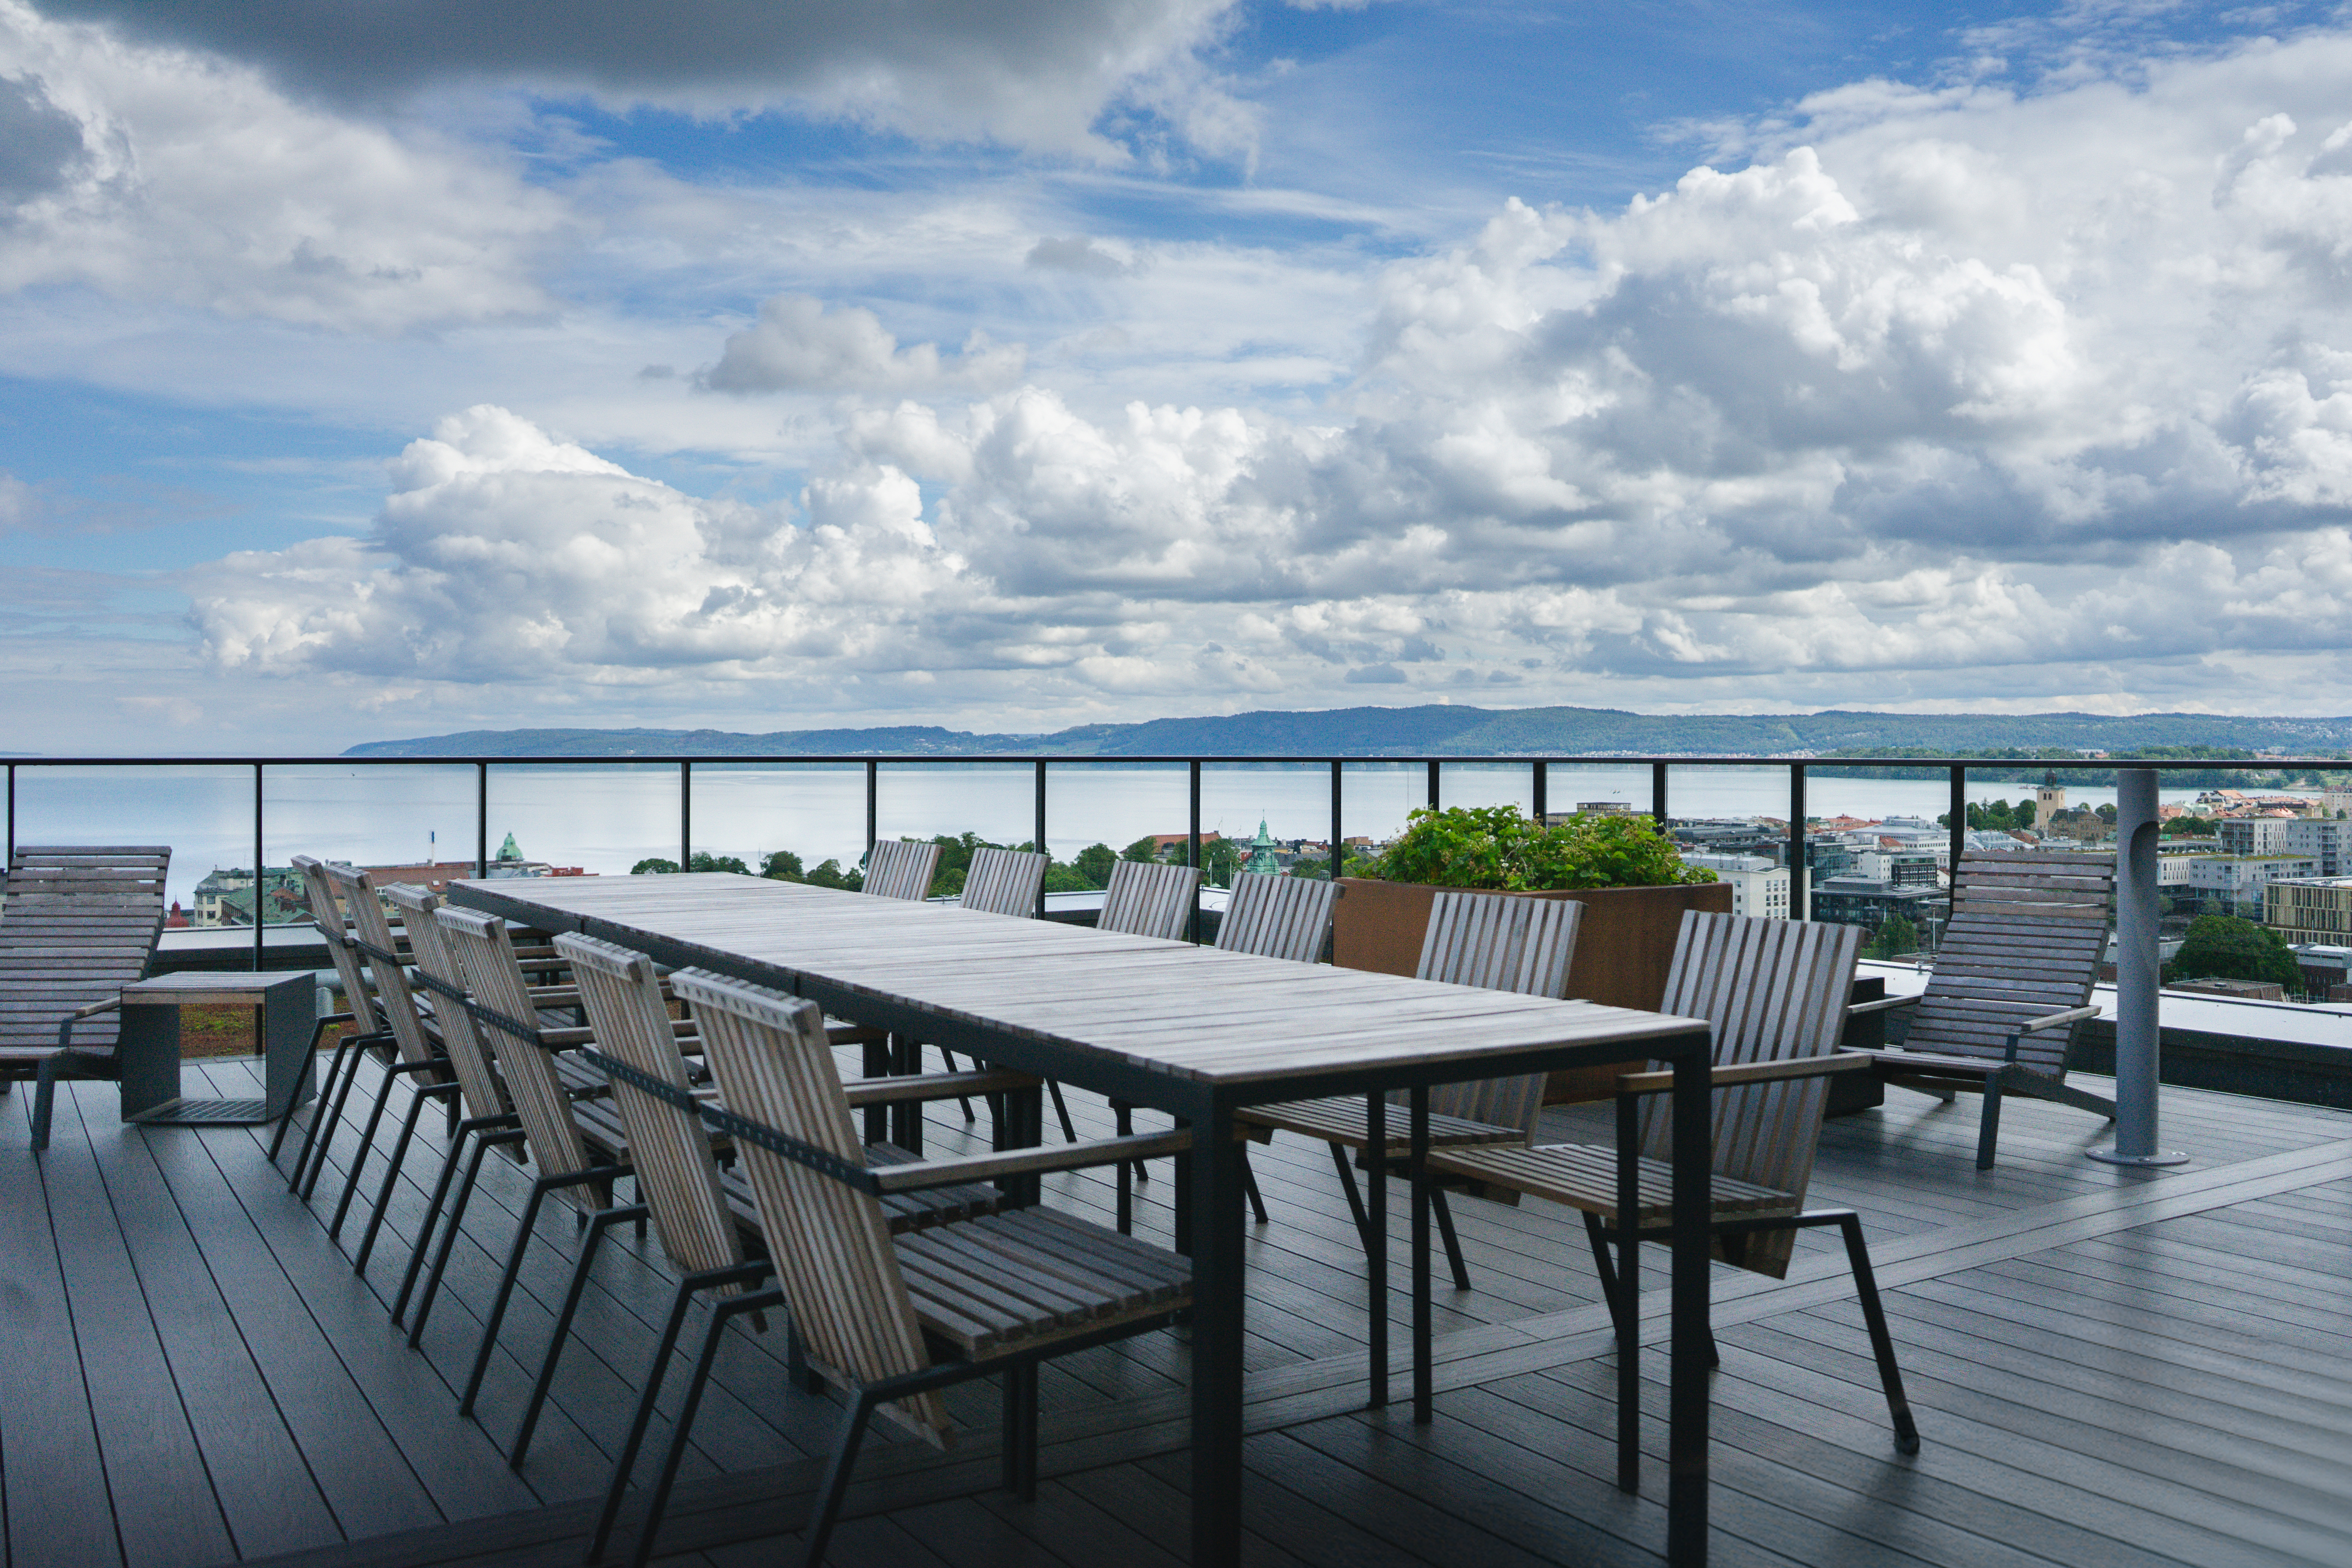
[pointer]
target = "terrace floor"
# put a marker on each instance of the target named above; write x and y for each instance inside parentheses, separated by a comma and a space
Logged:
(2110, 1368)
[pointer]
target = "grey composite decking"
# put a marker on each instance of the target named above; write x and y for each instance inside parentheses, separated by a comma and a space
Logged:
(2109, 1368)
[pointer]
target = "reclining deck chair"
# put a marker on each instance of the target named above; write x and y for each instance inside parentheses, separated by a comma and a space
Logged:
(1775, 991)
(2012, 978)
(80, 924)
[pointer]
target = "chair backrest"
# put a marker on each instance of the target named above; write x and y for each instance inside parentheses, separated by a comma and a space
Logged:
(1004, 881)
(668, 1150)
(394, 998)
(1500, 942)
(328, 916)
(1277, 917)
(485, 954)
(901, 869)
(2027, 935)
(829, 1240)
(1148, 898)
(469, 1055)
(80, 924)
(1775, 989)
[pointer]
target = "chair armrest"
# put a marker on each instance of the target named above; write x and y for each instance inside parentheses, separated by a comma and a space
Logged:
(933, 1086)
(1737, 1073)
(66, 1024)
(949, 1173)
(1883, 1004)
(2071, 1016)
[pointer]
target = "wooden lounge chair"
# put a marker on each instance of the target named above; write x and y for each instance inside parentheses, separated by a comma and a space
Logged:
(1489, 940)
(1775, 991)
(892, 1320)
(1268, 917)
(705, 1215)
(2012, 978)
(80, 924)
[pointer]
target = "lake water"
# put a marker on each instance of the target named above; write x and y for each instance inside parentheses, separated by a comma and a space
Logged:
(607, 816)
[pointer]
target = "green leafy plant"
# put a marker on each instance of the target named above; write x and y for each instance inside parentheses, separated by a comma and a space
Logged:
(2223, 947)
(1495, 846)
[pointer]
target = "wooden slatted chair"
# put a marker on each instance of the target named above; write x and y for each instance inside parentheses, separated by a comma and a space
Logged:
(368, 1031)
(1775, 991)
(422, 1057)
(901, 869)
(1004, 881)
(80, 924)
(891, 1319)
(1494, 941)
(1268, 917)
(1148, 898)
(2012, 979)
(705, 1215)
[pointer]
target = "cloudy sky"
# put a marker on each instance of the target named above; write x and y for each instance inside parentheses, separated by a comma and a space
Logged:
(386, 370)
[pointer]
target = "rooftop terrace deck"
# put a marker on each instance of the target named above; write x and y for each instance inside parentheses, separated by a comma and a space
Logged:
(2109, 1367)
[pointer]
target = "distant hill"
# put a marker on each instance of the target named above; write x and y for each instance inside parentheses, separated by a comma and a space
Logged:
(1441, 731)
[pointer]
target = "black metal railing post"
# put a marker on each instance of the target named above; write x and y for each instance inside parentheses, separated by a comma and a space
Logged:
(1338, 847)
(1192, 844)
(12, 812)
(1658, 795)
(873, 820)
(1960, 818)
(1432, 784)
(1797, 867)
(1540, 795)
(1041, 834)
(261, 873)
(481, 819)
(685, 815)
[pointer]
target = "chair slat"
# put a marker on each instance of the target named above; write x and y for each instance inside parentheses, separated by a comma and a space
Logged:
(901, 869)
(1003, 882)
(1277, 917)
(486, 953)
(1148, 898)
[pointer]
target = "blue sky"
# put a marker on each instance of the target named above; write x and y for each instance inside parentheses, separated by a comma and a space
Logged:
(460, 366)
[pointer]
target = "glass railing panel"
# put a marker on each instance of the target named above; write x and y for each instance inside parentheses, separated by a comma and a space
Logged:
(1487, 783)
(801, 814)
(1734, 821)
(598, 817)
(1291, 802)
(385, 817)
(1571, 788)
(970, 804)
(204, 813)
(1378, 797)
(1122, 809)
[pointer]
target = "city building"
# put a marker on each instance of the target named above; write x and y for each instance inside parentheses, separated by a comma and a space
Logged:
(2236, 881)
(225, 898)
(2049, 800)
(1758, 886)
(2309, 908)
(1262, 856)
(1868, 901)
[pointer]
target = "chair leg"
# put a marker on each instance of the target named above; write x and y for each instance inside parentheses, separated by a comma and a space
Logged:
(1249, 1189)
(321, 1145)
(1128, 1171)
(448, 1239)
(1021, 1431)
(827, 1508)
(317, 1110)
(1355, 1199)
(1452, 1242)
(278, 1139)
(442, 1091)
(659, 1502)
(1603, 1264)
(627, 1458)
(367, 1139)
(597, 1225)
(1069, 1133)
(1881, 1343)
(948, 1056)
(44, 1095)
(497, 1313)
(1988, 1123)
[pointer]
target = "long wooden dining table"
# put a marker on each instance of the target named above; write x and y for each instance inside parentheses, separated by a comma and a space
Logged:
(1199, 1033)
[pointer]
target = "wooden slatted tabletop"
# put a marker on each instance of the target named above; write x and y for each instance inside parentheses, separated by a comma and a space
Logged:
(1197, 1032)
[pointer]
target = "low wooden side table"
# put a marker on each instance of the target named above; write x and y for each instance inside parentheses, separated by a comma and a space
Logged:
(148, 1049)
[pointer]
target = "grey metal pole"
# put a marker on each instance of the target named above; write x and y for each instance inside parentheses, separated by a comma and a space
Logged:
(2135, 975)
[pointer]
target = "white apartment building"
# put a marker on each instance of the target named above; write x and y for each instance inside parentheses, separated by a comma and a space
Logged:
(1758, 886)
(2254, 835)
(2240, 879)
(2324, 840)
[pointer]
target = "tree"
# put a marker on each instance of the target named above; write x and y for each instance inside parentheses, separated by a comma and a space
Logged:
(1896, 937)
(2223, 947)
(783, 865)
(1220, 859)
(2189, 827)
(652, 864)
(1145, 848)
(829, 873)
(704, 861)
(1094, 863)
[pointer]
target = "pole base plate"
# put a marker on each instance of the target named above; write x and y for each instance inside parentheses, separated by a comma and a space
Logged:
(2161, 1157)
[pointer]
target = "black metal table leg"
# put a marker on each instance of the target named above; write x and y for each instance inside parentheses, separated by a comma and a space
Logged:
(1217, 1282)
(1376, 1241)
(1687, 1398)
(1423, 1377)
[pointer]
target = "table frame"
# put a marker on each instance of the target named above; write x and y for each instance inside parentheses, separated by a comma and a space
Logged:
(1217, 1240)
